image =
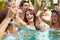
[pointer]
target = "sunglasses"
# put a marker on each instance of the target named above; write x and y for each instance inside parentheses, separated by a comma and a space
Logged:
(45, 10)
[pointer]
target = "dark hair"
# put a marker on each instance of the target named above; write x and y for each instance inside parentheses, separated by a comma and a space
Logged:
(58, 2)
(57, 13)
(54, 11)
(31, 11)
(9, 0)
(3, 14)
(22, 3)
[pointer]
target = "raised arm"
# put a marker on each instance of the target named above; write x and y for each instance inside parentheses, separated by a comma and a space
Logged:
(37, 3)
(40, 16)
(5, 23)
(19, 21)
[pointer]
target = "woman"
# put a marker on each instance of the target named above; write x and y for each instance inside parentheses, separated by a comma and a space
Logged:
(7, 30)
(30, 18)
(42, 27)
(30, 27)
(11, 33)
(3, 23)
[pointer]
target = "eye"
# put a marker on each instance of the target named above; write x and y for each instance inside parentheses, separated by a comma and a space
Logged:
(25, 5)
(27, 14)
(31, 13)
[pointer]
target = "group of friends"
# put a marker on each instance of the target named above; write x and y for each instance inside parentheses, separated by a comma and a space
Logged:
(26, 23)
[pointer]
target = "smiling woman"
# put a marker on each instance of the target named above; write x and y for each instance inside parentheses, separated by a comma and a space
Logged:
(30, 18)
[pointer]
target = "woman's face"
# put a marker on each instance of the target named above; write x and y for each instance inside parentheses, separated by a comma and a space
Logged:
(29, 16)
(21, 16)
(54, 17)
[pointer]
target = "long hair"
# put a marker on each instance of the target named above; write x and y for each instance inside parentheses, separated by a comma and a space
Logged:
(31, 11)
(3, 14)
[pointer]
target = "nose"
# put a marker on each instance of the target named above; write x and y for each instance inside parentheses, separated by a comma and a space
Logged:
(29, 15)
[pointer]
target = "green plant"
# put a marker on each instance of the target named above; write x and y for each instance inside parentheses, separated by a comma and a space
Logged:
(2, 4)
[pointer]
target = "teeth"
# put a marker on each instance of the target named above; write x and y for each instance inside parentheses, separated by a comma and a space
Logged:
(30, 18)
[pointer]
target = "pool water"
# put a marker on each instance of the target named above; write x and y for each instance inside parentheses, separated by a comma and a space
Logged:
(28, 34)
(54, 34)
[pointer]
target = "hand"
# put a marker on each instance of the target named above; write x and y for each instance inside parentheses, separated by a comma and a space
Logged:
(39, 14)
(11, 13)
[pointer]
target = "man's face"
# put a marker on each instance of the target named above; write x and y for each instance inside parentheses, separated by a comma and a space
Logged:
(25, 5)
(54, 17)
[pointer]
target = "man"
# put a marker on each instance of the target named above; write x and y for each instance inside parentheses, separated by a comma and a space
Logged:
(53, 22)
(24, 5)
(27, 4)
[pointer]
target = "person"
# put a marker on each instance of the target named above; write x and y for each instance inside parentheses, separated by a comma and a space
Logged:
(30, 23)
(29, 19)
(20, 36)
(52, 21)
(7, 29)
(46, 13)
(57, 6)
(54, 25)
(41, 25)
(11, 30)
(26, 4)
(4, 22)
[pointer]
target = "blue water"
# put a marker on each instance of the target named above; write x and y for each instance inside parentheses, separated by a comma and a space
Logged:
(54, 34)
(28, 34)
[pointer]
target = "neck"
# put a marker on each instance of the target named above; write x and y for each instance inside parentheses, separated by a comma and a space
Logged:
(31, 23)
(23, 10)
(55, 23)
(56, 26)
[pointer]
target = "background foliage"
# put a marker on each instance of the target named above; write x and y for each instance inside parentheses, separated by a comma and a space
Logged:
(42, 3)
(2, 4)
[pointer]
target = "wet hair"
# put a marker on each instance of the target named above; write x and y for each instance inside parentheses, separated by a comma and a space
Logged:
(54, 11)
(3, 14)
(31, 11)
(22, 3)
